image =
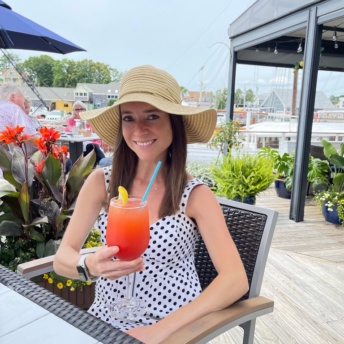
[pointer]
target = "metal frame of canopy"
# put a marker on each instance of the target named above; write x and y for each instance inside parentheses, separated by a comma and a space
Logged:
(314, 23)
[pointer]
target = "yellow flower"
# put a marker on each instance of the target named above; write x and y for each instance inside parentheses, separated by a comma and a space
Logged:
(45, 276)
(88, 245)
(88, 283)
(59, 285)
(72, 289)
(69, 283)
(50, 280)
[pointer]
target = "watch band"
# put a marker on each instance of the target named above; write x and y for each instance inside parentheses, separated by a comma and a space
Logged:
(83, 272)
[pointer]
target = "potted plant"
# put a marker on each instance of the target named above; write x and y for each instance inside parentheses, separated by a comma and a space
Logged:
(331, 200)
(243, 176)
(39, 198)
(317, 175)
(283, 165)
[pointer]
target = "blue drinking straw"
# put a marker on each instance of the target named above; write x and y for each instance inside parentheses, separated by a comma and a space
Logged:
(151, 181)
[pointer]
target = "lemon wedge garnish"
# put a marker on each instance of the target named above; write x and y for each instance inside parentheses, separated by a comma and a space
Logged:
(123, 194)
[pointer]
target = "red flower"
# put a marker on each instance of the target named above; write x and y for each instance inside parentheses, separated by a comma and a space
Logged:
(39, 166)
(49, 134)
(64, 150)
(41, 145)
(13, 135)
(46, 143)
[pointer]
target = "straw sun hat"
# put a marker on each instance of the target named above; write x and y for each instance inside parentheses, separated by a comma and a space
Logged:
(158, 88)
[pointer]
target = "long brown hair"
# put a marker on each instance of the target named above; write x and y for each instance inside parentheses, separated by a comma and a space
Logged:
(125, 161)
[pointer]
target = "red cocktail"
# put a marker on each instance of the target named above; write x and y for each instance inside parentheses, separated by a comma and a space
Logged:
(128, 227)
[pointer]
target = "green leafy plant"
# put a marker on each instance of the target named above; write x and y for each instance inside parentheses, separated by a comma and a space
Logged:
(39, 198)
(318, 173)
(336, 159)
(283, 165)
(226, 135)
(333, 196)
(202, 171)
(241, 176)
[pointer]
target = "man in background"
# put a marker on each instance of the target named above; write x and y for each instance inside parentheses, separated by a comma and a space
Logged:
(12, 113)
(12, 105)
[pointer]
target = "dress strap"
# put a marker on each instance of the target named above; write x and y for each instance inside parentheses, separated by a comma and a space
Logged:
(187, 191)
(107, 175)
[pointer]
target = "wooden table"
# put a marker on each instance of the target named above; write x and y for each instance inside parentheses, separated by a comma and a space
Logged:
(30, 314)
(76, 143)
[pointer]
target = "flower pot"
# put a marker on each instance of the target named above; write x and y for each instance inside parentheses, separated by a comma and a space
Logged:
(247, 200)
(281, 190)
(330, 216)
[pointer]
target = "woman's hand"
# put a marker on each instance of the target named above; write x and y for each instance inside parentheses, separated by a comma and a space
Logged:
(102, 264)
(148, 334)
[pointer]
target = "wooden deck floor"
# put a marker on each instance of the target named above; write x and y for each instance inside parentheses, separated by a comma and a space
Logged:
(305, 278)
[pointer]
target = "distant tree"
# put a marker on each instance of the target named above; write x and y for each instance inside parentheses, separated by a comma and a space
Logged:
(183, 91)
(5, 63)
(65, 73)
(221, 99)
(45, 71)
(238, 96)
(116, 75)
(250, 96)
(92, 72)
(334, 100)
(40, 70)
(111, 102)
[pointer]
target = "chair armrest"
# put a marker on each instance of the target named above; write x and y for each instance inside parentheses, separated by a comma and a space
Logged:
(43, 265)
(213, 324)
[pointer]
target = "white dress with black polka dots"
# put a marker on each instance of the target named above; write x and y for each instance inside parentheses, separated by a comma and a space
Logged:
(169, 280)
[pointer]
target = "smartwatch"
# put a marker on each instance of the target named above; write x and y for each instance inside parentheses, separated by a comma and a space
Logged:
(83, 272)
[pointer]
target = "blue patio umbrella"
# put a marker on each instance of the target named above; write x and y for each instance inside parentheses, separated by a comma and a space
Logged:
(18, 32)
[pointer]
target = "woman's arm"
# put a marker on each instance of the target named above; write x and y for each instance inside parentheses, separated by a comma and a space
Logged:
(89, 203)
(231, 282)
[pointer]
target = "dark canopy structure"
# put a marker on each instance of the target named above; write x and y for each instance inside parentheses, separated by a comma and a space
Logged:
(283, 25)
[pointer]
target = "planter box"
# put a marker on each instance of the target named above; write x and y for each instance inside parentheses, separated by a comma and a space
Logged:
(81, 297)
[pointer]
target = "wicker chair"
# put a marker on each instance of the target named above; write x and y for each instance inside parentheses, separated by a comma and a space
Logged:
(252, 229)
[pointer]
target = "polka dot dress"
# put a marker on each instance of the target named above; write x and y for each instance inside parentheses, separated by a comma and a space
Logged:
(169, 280)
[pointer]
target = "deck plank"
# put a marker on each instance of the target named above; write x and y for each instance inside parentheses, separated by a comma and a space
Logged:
(304, 276)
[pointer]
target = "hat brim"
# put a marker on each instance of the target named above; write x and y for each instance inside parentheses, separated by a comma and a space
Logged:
(199, 123)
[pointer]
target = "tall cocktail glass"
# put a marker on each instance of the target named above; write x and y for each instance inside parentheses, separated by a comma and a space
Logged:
(128, 228)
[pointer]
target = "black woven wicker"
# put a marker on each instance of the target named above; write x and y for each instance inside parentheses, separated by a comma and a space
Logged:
(246, 228)
(75, 316)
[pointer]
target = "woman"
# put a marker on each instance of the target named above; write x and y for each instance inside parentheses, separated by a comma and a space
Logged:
(148, 124)
(88, 146)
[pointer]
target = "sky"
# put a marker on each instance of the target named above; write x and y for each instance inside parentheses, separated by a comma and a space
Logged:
(179, 36)
(189, 39)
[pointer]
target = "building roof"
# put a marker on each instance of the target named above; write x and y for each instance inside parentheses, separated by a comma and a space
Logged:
(50, 93)
(112, 87)
(285, 97)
